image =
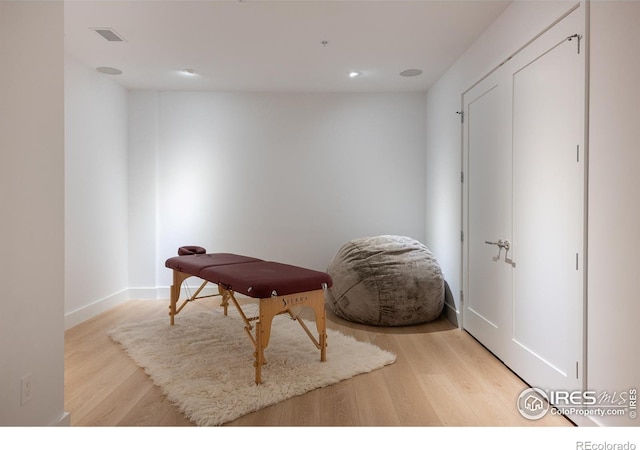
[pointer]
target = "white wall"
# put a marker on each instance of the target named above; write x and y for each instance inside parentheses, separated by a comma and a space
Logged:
(96, 216)
(614, 200)
(143, 143)
(285, 177)
(32, 211)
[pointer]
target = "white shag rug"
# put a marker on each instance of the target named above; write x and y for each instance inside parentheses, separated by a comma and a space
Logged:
(204, 363)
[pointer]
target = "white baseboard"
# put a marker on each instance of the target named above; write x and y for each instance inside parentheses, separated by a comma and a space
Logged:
(143, 293)
(80, 315)
(164, 292)
(452, 314)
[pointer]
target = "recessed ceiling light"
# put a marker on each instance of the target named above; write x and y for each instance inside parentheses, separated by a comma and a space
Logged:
(188, 71)
(109, 70)
(411, 72)
(354, 74)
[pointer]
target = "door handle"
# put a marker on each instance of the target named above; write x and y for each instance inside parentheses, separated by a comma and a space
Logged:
(500, 243)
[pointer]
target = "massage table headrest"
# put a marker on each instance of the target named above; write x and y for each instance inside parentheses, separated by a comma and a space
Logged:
(191, 250)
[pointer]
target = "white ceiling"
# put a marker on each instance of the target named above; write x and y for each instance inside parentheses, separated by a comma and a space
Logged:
(276, 46)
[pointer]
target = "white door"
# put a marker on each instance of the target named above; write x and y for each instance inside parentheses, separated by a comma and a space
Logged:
(548, 217)
(487, 133)
(525, 186)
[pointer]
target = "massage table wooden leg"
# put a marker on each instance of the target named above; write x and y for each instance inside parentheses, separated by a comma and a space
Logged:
(225, 299)
(261, 328)
(322, 328)
(271, 307)
(176, 287)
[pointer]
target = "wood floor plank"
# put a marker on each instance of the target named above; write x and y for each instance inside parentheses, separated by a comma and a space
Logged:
(375, 403)
(441, 377)
(303, 410)
(448, 403)
(120, 401)
(410, 402)
(88, 393)
(338, 406)
(154, 408)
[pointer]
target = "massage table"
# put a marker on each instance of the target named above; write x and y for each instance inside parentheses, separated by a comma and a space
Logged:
(279, 289)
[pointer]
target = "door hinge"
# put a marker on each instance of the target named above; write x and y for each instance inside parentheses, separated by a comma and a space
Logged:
(461, 114)
(578, 38)
(578, 153)
(462, 236)
(461, 177)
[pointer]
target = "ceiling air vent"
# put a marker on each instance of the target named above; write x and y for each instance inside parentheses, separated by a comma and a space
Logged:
(109, 34)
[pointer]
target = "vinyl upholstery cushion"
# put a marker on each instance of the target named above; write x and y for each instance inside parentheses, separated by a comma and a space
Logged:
(191, 250)
(193, 264)
(262, 279)
(386, 281)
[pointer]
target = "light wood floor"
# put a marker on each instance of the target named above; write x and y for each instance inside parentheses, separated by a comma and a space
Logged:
(442, 377)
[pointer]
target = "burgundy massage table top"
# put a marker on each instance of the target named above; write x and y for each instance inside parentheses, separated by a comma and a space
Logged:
(262, 279)
(250, 276)
(193, 264)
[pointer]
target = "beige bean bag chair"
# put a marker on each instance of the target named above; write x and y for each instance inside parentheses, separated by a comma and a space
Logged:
(386, 281)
